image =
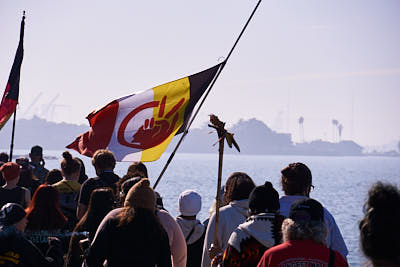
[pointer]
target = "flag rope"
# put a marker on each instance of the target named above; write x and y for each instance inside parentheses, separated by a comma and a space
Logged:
(205, 96)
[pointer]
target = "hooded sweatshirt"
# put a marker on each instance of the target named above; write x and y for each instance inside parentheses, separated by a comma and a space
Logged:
(252, 238)
(194, 232)
(230, 216)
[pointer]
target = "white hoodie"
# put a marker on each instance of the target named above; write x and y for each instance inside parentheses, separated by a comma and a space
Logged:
(230, 216)
(187, 226)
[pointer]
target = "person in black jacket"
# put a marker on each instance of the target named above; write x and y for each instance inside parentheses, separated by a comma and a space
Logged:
(16, 249)
(103, 161)
(133, 236)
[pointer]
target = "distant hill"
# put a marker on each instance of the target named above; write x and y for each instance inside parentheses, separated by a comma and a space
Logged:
(37, 131)
(253, 137)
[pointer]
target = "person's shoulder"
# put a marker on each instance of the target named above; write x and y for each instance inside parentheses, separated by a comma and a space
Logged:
(90, 182)
(164, 215)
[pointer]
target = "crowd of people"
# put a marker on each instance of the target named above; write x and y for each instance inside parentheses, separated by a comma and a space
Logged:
(63, 218)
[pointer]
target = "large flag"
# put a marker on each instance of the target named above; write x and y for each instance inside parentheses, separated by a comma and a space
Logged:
(139, 127)
(10, 97)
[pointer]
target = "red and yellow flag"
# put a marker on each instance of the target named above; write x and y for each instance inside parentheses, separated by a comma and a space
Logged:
(139, 127)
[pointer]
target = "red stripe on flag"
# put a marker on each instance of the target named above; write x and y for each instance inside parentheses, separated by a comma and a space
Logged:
(101, 128)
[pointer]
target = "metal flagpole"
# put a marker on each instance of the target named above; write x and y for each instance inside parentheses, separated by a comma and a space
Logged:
(12, 135)
(205, 96)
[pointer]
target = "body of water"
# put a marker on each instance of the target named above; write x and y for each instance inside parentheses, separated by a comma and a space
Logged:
(341, 183)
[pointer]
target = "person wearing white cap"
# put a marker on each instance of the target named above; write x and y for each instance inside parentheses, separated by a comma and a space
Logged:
(189, 205)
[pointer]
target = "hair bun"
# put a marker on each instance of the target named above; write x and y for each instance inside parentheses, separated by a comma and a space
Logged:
(268, 185)
(67, 156)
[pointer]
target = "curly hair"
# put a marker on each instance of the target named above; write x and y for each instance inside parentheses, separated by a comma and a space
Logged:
(379, 229)
(314, 230)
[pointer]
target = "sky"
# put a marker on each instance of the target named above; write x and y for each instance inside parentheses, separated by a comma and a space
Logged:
(320, 60)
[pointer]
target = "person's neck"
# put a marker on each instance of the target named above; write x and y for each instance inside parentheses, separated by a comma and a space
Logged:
(10, 185)
(70, 178)
(190, 218)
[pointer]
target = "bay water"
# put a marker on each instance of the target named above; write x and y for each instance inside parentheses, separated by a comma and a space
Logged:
(341, 183)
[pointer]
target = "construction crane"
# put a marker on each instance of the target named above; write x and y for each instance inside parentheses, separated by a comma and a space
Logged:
(32, 104)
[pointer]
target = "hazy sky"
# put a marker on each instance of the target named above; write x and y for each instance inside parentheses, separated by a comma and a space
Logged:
(322, 60)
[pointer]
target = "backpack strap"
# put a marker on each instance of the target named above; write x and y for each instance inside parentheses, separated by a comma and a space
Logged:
(190, 234)
(331, 258)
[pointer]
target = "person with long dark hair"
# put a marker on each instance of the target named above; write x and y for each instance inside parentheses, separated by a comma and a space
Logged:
(45, 218)
(379, 229)
(134, 236)
(101, 202)
(237, 191)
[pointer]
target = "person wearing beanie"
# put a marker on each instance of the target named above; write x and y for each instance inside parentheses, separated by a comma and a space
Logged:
(304, 239)
(189, 204)
(15, 248)
(259, 232)
(176, 239)
(296, 181)
(132, 236)
(10, 192)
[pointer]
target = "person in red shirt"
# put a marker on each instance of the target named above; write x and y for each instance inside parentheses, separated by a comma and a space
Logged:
(304, 235)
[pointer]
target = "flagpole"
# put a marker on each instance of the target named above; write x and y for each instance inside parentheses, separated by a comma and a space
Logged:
(21, 36)
(12, 135)
(205, 96)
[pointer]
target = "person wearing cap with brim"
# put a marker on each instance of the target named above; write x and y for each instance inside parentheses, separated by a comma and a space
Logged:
(296, 181)
(16, 249)
(37, 163)
(304, 239)
(10, 192)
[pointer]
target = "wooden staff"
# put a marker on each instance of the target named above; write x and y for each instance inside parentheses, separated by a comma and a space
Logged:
(222, 135)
